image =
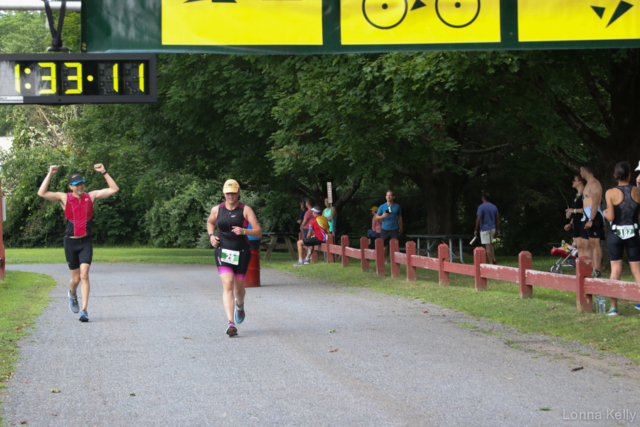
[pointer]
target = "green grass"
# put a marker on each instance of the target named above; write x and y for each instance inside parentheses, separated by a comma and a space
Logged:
(114, 254)
(23, 296)
(549, 312)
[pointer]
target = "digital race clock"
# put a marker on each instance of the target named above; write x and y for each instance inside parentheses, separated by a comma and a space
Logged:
(77, 78)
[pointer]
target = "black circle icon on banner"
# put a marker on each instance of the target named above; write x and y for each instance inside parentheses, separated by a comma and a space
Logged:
(384, 14)
(457, 13)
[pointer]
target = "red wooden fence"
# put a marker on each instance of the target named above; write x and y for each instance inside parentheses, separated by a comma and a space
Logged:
(581, 284)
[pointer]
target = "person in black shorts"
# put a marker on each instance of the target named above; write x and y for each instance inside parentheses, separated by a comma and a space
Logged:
(623, 210)
(78, 247)
(593, 221)
(391, 216)
(232, 253)
(575, 212)
(317, 234)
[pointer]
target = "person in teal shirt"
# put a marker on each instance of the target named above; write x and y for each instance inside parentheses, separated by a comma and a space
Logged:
(332, 215)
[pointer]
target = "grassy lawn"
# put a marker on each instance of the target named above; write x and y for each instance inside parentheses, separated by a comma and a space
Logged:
(549, 312)
(114, 254)
(23, 296)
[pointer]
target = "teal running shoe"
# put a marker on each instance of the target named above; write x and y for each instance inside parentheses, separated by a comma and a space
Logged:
(73, 303)
(84, 316)
(239, 313)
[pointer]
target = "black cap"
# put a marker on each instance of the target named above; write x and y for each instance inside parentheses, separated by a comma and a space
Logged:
(76, 179)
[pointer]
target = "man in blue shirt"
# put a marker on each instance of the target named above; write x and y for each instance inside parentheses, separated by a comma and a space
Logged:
(391, 216)
(488, 223)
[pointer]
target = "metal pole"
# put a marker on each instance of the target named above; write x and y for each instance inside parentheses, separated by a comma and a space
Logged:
(72, 6)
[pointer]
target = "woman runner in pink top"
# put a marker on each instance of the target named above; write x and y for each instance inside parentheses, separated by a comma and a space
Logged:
(78, 247)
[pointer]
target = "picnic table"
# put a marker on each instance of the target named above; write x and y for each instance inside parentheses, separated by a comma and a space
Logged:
(274, 236)
(433, 240)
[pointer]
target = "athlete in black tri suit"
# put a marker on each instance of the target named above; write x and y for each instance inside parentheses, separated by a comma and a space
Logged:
(623, 210)
(232, 249)
(78, 248)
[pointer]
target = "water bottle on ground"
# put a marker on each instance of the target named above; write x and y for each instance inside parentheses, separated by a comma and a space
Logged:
(600, 304)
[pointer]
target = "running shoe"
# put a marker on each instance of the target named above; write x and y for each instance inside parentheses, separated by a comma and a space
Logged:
(73, 303)
(637, 307)
(84, 316)
(239, 313)
(495, 262)
(596, 274)
(299, 264)
(231, 329)
(612, 312)
(306, 261)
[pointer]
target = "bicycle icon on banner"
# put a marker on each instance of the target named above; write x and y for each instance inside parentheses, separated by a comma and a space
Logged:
(388, 14)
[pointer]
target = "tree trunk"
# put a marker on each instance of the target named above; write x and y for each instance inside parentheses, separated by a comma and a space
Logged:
(440, 190)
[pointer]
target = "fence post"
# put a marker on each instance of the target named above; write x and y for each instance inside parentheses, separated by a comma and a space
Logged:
(394, 247)
(583, 270)
(411, 270)
(364, 262)
(344, 242)
(524, 263)
(479, 257)
(314, 255)
(380, 257)
(443, 256)
(330, 256)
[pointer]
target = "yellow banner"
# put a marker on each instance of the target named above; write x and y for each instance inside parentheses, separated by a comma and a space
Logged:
(419, 21)
(242, 22)
(555, 20)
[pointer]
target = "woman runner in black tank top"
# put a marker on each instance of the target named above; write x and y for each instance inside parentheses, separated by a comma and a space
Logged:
(232, 249)
(623, 210)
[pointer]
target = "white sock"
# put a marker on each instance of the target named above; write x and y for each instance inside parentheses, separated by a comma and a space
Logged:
(299, 259)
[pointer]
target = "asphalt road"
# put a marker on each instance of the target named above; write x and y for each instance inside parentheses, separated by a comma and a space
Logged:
(308, 353)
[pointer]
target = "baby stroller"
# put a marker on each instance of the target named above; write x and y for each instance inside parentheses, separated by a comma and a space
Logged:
(567, 259)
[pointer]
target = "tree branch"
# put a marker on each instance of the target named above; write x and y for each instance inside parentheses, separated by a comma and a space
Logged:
(584, 132)
(603, 105)
(347, 195)
(484, 150)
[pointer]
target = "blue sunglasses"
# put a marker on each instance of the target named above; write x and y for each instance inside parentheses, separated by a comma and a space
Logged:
(77, 182)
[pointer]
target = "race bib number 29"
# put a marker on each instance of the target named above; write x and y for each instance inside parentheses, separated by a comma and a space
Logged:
(230, 257)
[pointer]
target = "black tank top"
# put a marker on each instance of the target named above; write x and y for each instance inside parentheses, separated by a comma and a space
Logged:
(627, 211)
(226, 221)
(577, 204)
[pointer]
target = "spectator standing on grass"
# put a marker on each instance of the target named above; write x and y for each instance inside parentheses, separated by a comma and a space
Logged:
(575, 212)
(638, 185)
(303, 210)
(376, 227)
(332, 216)
(488, 223)
(391, 216)
(593, 220)
(623, 210)
(308, 215)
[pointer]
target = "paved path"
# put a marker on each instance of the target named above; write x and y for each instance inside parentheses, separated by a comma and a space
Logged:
(158, 331)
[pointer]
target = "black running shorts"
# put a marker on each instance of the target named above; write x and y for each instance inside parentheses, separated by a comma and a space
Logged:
(597, 228)
(577, 229)
(227, 262)
(313, 241)
(387, 235)
(616, 246)
(78, 251)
